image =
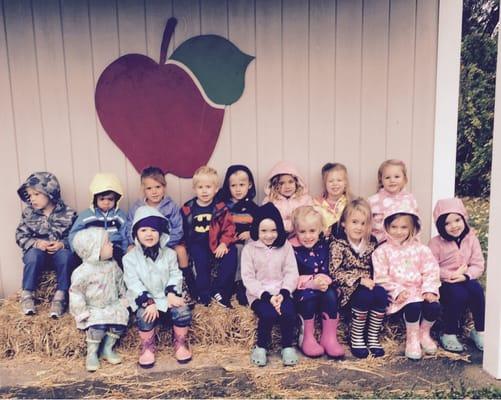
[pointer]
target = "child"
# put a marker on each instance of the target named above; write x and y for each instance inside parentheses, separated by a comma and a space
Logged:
(336, 194)
(43, 237)
(315, 292)
(461, 262)
(97, 296)
(286, 189)
(153, 281)
(409, 272)
(351, 267)
(106, 191)
(392, 178)
(269, 272)
(209, 233)
(238, 192)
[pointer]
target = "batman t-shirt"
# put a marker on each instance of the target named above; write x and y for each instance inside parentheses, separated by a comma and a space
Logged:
(202, 216)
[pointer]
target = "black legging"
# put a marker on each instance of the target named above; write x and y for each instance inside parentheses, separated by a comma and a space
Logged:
(429, 311)
(364, 299)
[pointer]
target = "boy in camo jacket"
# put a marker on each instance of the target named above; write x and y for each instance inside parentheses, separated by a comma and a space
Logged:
(43, 238)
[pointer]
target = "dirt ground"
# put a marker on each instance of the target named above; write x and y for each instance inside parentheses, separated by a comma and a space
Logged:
(223, 372)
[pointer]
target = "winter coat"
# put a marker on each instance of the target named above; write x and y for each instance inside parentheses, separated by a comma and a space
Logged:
(450, 254)
(287, 205)
(170, 210)
(330, 214)
(348, 267)
(221, 229)
(34, 223)
(383, 201)
(97, 292)
(409, 266)
(142, 274)
(268, 269)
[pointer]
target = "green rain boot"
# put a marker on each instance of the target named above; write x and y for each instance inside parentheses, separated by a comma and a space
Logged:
(92, 361)
(107, 353)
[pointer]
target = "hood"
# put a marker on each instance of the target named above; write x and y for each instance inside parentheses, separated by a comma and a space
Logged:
(43, 182)
(403, 209)
(268, 210)
(447, 206)
(87, 244)
(225, 194)
(145, 212)
(281, 168)
(104, 182)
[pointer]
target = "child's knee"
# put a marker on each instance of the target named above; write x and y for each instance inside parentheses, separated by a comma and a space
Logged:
(141, 323)
(181, 316)
(34, 257)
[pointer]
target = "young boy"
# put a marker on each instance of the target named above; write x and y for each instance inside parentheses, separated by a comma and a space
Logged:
(209, 233)
(106, 191)
(43, 237)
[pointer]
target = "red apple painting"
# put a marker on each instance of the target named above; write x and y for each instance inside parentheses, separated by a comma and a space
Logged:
(169, 114)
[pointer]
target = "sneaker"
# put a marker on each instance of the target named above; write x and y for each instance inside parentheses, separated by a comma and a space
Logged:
(258, 356)
(56, 309)
(478, 339)
(451, 343)
(219, 299)
(27, 303)
(289, 356)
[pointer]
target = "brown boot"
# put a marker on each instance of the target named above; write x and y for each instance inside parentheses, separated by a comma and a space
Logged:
(181, 350)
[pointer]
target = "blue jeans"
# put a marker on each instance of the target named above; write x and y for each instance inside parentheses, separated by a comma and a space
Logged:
(98, 332)
(322, 302)
(180, 316)
(36, 260)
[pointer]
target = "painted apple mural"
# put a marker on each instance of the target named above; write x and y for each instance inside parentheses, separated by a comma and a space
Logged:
(170, 113)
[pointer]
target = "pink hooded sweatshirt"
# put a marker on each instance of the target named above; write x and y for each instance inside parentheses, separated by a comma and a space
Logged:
(287, 205)
(449, 256)
(383, 201)
(409, 266)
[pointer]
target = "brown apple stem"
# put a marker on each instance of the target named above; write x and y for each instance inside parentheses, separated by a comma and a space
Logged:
(169, 30)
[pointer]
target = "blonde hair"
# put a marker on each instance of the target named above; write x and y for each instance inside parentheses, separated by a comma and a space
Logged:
(275, 186)
(414, 222)
(328, 168)
(207, 171)
(391, 162)
(361, 205)
(154, 173)
(303, 212)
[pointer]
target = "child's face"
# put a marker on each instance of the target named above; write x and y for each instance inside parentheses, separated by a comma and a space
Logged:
(355, 226)
(267, 231)
(335, 184)
(239, 185)
(400, 228)
(147, 236)
(454, 225)
(287, 185)
(38, 200)
(393, 179)
(154, 191)
(308, 231)
(105, 202)
(205, 190)
(106, 252)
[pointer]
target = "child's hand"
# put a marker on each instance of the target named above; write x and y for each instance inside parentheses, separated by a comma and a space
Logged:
(150, 313)
(244, 235)
(402, 297)
(276, 302)
(321, 283)
(175, 301)
(457, 279)
(221, 250)
(430, 297)
(41, 244)
(53, 247)
(368, 283)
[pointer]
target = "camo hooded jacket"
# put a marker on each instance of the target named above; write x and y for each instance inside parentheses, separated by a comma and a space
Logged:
(34, 224)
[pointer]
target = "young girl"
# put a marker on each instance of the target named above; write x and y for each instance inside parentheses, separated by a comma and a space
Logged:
(154, 281)
(287, 190)
(351, 267)
(238, 192)
(315, 292)
(97, 296)
(392, 178)
(269, 272)
(409, 272)
(461, 261)
(336, 194)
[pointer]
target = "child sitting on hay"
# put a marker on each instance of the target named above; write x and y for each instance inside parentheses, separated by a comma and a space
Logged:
(154, 282)
(97, 296)
(43, 237)
(269, 272)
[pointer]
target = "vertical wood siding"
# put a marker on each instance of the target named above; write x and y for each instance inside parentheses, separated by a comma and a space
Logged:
(351, 81)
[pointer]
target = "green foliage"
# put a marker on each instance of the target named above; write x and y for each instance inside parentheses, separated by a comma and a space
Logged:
(476, 103)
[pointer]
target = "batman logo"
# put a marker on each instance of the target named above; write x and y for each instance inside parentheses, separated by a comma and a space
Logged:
(201, 222)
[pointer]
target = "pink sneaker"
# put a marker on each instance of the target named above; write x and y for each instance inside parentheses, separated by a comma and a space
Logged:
(147, 356)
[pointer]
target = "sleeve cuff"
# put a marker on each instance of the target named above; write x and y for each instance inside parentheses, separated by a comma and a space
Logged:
(467, 277)
(144, 300)
(285, 293)
(170, 289)
(266, 296)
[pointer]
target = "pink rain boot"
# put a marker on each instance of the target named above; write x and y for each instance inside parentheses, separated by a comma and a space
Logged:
(412, 345)
(147, 356)
(427, 343)
(310, 346)
(329, 337)
(182, 352)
